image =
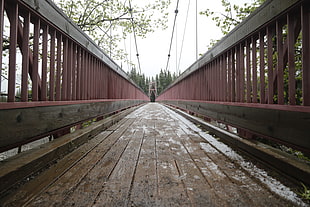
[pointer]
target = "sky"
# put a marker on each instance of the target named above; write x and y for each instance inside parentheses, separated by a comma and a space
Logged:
(153, 50)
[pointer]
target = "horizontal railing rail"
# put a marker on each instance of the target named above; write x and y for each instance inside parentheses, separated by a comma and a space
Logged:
(263, 62)
(48, 64)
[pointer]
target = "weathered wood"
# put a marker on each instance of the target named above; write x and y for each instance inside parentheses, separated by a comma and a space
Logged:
(75, 176)
(23, 124)
(157, 158)
(280, 161)
(256, 20)
(17, 168)
(288, 126)
(51, 12)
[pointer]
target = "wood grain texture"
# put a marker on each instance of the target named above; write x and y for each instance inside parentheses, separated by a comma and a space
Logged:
(290, 127)
(155, 158)
(22, 124)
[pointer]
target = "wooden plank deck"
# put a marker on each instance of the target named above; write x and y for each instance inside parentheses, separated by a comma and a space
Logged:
(154, 157)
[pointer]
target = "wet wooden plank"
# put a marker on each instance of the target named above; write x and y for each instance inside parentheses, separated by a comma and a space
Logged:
(272, 122)
(24, 195)
(144, 188)
(156, 158)
(56, 193)
(93, 183)
(117, 188)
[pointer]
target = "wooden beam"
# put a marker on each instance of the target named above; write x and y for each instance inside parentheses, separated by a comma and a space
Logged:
(288, 125)
(23, 124)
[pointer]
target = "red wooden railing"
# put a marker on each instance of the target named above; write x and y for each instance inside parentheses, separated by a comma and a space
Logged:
(262, 64)
(50, 67)
(54, 60)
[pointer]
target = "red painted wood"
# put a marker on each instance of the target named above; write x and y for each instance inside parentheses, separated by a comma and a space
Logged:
(44, 63)
(78, 74)
(248, 72)
(280, 61)
(25, 59)
(262, 66)
(74, 71)
(305, 15)
(233, 75)
(291, 59)
(238, 73)
(69, 70)
(35, 70)
(52, 66)
(270, 63)
(13, 16)
(1, 36)
(229, 82)
(59, 67)
(254, 67)
(64, 79)
(242, 74)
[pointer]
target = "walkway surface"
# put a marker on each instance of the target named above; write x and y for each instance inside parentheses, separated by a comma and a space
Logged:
(154, 157)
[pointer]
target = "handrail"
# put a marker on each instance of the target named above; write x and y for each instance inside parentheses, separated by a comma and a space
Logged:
(263, 62)
(63, 77)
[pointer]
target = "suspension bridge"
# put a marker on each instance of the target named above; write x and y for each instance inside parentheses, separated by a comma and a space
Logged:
(212, 138)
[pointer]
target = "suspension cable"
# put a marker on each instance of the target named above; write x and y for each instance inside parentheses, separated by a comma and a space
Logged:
(178, 67)
(134, 34)
(175, 17)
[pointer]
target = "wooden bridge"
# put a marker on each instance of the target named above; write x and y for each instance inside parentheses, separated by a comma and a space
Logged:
(200, 145)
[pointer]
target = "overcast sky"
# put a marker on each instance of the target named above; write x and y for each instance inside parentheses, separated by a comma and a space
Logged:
(153, 51)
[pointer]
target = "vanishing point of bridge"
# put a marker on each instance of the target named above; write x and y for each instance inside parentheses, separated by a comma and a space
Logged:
(199, 145)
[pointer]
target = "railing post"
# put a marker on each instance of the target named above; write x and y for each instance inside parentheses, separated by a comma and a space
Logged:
(305, 17)
(35, 67)
(1, 38)
(25, 61)
(291, 59)
(52, 66)
(13, 16)
(280, 62)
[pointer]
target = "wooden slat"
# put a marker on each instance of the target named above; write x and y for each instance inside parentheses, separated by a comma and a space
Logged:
(59, 67)
(75, 178)
(262, 66)
(78, 73)
(233, 75)
(248, 72)
(25, 59)
(13, 16)
(35, 67)
(25, 124)
(52, 66)
(229, 76)
(273, 123)
(69, 70)
(1, 36)
(152, 158)
(64, 80)
(74, 71)
(145, 185)
(305, 53)
(270, 64)
(242, 74)
(291, 59)
(238, 73)
(254, 67)
(44, 63)
(280, 65)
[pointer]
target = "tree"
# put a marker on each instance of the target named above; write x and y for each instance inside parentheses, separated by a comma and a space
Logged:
(232, 15)
(108, 22)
